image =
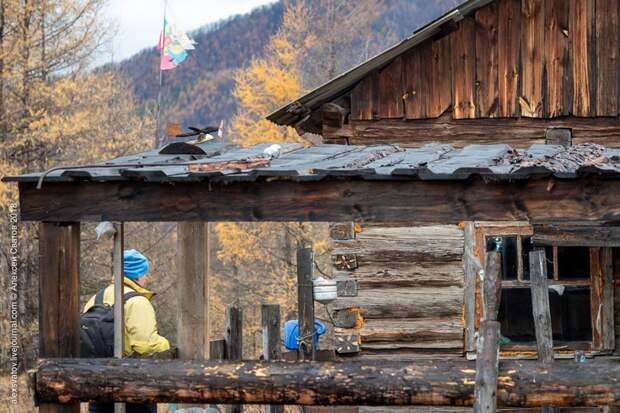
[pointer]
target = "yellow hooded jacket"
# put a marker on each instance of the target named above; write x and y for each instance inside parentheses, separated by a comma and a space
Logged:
(140, 324)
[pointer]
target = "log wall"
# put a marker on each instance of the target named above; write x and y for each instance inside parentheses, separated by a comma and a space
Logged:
(505, 74)
(410, 289)
(511, 58)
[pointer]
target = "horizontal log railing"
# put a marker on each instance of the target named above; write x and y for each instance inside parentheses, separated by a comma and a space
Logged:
(427, 382)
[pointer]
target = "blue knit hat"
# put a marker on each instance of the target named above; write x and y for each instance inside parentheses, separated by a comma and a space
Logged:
(136, 264)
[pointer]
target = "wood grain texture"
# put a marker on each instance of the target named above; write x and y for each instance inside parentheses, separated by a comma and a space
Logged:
(391, 90)
(417, 84)
(193, 290)
(556, 61)
(305, 303)
(582, 43)
(532, 58)
(463, 69)
(607, 44)
(441, 77)
(508, 46)
(487, 77)
(432, 382)
(487, 366)
(518, 133)
(587, 199)
(576, 235)
(365, 98)
(417, 256)
(405, 302)
(431, 333)
(59, 297)
(540, 306)
(471, 265)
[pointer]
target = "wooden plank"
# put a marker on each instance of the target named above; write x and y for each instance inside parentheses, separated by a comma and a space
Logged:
(217, 349)
(532, 58)
(193, 290)
(119, 302)
(441, 77)
(471, 265)
(540, 306)
(487, 360)
(607, 45)
(487, 77)
(391, 90)
(270, 321)
(59, 297)
(607, 309)
(587, 199)
(518, 133)
(234, 343)
(601, 293)
(463, 69)
(556, 61)
(305, 303)
(365, 98)
(417, 80)
(582, 43)
(487, 363)
(576, 235)
(508, 46)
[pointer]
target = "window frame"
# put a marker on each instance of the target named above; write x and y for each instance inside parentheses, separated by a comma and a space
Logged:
(601, 284)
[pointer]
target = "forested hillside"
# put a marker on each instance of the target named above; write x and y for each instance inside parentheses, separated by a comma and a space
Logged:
(200, 90)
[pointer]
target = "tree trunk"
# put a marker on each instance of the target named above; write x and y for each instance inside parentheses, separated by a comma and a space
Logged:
(427, 382)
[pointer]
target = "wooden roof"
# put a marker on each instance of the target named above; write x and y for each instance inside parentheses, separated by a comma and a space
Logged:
(384, 183)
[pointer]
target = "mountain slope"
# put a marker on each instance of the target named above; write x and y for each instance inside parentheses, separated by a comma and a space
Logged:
(199, 91)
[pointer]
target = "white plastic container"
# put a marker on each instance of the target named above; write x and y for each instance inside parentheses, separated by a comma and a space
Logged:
(325, 291)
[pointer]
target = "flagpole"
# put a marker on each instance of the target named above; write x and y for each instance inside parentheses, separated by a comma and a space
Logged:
(161, 76)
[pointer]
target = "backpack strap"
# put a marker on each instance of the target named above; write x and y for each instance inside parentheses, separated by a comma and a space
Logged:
(99, 297)
(129, 295)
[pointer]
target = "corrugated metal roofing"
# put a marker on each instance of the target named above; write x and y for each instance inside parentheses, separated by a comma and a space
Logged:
(222, 162)
(297, 110)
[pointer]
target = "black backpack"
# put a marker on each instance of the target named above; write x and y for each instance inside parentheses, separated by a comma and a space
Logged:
(97, 328)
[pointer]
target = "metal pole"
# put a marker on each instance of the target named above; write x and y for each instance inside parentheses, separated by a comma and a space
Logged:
(161, 77)
(119, 321)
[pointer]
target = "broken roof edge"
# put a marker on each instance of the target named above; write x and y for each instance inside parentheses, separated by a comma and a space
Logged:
(294, 112)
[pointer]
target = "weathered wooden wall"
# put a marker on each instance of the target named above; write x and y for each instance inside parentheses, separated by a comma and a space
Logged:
(521, 65)
(410, 282)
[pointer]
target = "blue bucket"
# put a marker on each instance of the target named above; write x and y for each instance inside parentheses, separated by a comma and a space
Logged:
(291, 333)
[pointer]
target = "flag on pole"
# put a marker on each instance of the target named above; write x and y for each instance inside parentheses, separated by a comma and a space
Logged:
(174, 45)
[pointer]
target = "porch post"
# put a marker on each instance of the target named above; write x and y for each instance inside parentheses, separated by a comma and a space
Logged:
(59, 297)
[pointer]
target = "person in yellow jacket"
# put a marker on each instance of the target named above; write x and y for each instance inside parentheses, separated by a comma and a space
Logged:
(141, 336)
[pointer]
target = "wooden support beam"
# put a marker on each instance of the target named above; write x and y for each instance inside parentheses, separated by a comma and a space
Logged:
(442, 382)
(193, 292)
(234, 343)
(119, 302)
(305, 303)
(487, 360)
(59, 297)
(270, 320)
(540, 306)
(592, 198)
(541, 311)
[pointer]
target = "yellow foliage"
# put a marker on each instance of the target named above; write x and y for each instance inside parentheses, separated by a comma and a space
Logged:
(272, 81)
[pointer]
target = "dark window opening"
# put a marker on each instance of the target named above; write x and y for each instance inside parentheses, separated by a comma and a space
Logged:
(573, 263)
(527, 247)
(507, 245)
(570, 314)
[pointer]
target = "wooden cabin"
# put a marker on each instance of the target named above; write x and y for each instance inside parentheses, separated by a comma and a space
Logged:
(516, 72)
(437, 198)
